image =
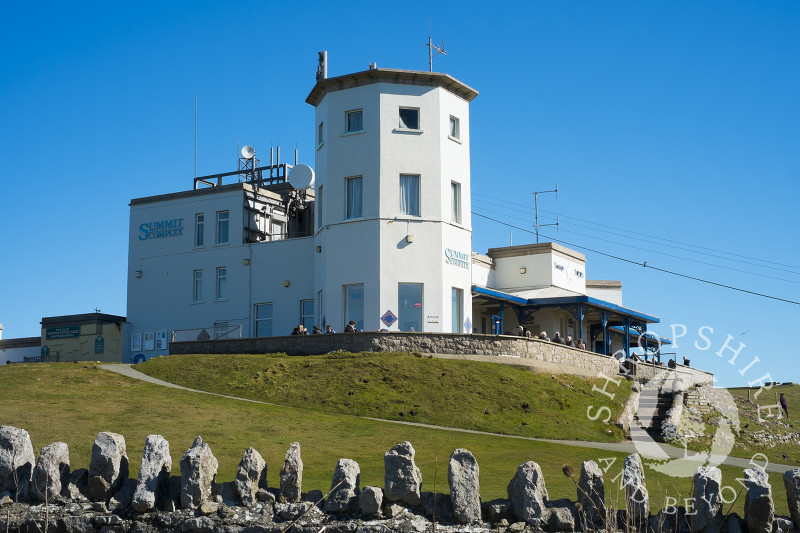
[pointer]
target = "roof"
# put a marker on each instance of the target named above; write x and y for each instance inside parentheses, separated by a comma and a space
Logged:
(544, 292)
(21, 342)
(79, 320)
(389, 75)
(557, 301)
(534, 249)
(648, 335)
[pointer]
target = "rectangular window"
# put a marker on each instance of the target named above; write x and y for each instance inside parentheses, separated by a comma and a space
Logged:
(353, 208)
(354, 121)
(409, 118)
(455, 202)
(307, 314)
(223, 218)
(409, 306)
(199, 228)
(319, 207)
(455, 128)
(354, 305)
(409, 194)
(278, 230)
(457, 310)
(263, 326)
(222, 283)
(197, 286)
(320, 138)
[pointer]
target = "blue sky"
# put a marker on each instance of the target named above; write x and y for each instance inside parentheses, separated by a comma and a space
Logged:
(670, 127)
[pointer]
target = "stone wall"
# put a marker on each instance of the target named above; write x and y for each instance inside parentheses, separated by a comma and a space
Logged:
(559, 358)
(690, 376)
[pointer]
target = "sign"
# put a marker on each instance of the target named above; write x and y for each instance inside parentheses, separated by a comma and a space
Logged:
(388, 318)
(459, 259)
(149, 341)
(161, 229)
(433, 319)
(468, 325)
(66, 332)
(45, 350)
(99, 345)
(136, 342)
(161, 340)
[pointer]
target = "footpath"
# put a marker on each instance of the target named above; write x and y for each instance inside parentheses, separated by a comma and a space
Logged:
(650, 450)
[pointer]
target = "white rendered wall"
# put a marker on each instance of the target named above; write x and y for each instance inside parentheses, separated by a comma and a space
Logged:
(609, 295)
(18, 355)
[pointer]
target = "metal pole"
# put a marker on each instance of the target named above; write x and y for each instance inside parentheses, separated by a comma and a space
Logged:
(536, 214)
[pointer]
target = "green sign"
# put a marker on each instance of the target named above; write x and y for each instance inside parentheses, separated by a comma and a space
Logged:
(66, 332)
(99, 345)
(45, 350)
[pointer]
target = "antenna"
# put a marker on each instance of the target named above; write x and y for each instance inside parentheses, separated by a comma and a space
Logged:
(431, 48)
(248, 162)
(195, 136)
(536, 224)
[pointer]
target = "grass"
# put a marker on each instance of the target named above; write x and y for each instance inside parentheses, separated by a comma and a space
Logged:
(400, 386)
(73, 402)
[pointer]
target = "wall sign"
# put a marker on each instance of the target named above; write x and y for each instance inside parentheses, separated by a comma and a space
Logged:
(161, 229)
(66, 332)
(459, 259)
(99, 345)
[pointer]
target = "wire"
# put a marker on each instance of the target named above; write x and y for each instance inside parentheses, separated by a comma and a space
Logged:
(645, 265)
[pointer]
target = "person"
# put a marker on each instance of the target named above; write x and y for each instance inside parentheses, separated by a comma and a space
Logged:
(350, 327)
(316, 330)
(300, 330)
(518, 331)
(570, 342)
(528, 334)
(685, 361)
(543, 336)
(581, 345)
(557, 338)
(329, 329)
(784, 405)
(671, 363)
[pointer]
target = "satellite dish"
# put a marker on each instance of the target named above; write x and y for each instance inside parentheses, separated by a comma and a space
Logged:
(301, 177)
(248, 152)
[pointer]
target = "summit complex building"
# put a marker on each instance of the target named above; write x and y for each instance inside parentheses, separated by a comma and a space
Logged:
(382, 238)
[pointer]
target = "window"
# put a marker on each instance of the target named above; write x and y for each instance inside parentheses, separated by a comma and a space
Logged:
(222, 226)
(409, 305)
(354, 305)
(354, 121)
(409, 194)
(457, 297)
(307, 313)
(320, 131)
(353, 208)
(199, 228)
(319, 207)
(455, 128)
(263, 326)
(222, 283)
(455, 202)
(197, 286)
(278, 230)
(409, 118)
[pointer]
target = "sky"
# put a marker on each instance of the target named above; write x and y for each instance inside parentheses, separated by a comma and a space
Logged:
(671, 129)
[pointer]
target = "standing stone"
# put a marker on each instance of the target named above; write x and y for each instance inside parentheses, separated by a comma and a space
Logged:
(108, 467)
(636, 495)
(343, 497)
(591, 493)
(759, 510)
(251, 476)
(528, 493)
(462, 475)
(370, 502)
(402, 479)
(16, 461)
(51, 473)
(198, 473)
(153, 482)
(706, 501)
(791, 480)
(292, 474)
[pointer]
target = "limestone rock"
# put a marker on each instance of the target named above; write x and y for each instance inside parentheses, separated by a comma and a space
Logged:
(591, 493)
(77, 484)
(292, 474)
(16, 461)
(51, 472)
(437, 506)
(108, 467)
(251, 476)
(495, 511)
(560, 515)
(392, 510)
(207, 508)
(791, 480)
(528, 493)
(370, 502)
(153, 482)
(635, 491)
(462, 476)
(198, 472)
(706, 502)
(225, 493)
(782, 524)
(122, 498)
(402, 478)
(759, 510)
(343, 497)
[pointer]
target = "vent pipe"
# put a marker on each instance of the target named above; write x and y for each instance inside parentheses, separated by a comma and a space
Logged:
(322, 69)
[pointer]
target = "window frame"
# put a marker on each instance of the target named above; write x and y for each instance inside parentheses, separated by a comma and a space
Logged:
(454, 120)
(197, 286)
(319, 200)
(347, 114)
(457, 319)
(347, 204)
(226, 221)
(418, 196)
(455, 202)
(199, 230)
(221, 285)
(400, 311)
(320, 134)
(400, 123)
(257, 320)
(307, 317)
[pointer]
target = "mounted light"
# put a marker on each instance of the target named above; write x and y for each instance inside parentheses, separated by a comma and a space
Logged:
(138, 273)
(522, 270)
(409, 238)
(287, 283)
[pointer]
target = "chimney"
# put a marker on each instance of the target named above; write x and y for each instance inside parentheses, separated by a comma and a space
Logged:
(322, 69)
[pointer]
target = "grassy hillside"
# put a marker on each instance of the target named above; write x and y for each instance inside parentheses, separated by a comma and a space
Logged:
(401, 386)
(73, 402)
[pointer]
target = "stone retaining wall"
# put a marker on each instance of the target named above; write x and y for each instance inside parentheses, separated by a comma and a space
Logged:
(561, 359)
(690, 376)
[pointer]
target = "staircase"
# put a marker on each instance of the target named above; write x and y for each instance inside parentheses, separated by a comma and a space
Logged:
(653, 407)
(696, 401)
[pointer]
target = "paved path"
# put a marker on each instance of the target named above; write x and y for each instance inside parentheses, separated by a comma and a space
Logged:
(644, 446)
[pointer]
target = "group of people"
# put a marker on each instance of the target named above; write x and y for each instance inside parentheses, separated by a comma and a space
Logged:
(302, 330)
(520, 331)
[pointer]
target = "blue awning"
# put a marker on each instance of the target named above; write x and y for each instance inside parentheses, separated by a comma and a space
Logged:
(649, 335)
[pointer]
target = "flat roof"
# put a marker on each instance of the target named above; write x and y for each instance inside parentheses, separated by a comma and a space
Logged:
(534, 249)
(80, 320)
(22, 342)
(389, 75)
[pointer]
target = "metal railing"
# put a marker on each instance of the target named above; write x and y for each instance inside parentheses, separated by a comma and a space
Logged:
(42, 359)
(207, 334)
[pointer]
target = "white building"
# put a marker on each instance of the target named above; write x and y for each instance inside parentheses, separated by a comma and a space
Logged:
(383, 238)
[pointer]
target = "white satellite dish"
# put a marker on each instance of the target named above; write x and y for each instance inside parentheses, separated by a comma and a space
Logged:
(248, 152)
(301, 177)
